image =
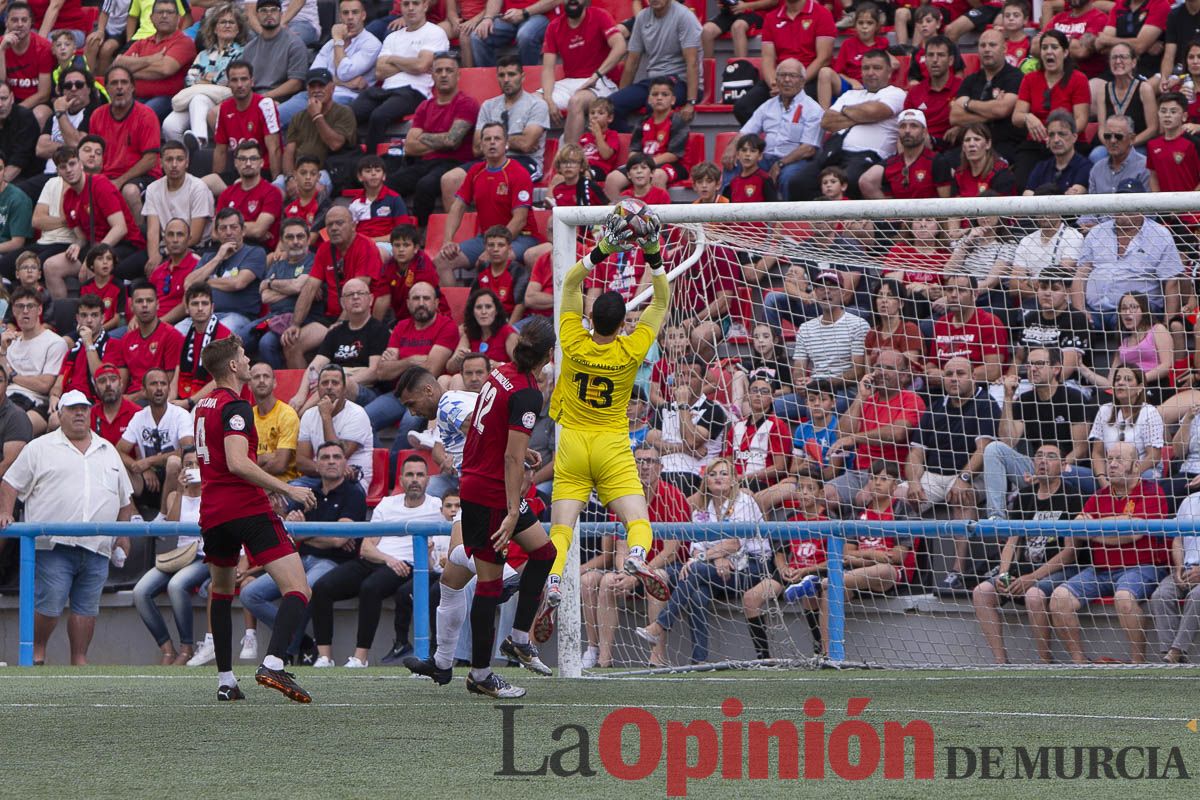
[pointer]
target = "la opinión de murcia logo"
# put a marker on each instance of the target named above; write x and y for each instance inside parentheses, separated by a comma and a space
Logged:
(733, 749)
(633, 744)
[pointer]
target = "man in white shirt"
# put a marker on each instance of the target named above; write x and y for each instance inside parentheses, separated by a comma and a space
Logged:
(70, 475)
(405, 68)
(177, 194)
(384, 566)
(865, 119)
(335, 419)
(156, 435)
(32, 355)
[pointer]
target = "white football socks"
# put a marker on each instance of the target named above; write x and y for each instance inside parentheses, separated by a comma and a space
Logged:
(451, 614)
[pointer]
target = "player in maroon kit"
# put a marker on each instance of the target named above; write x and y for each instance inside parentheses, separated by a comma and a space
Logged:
(494, 510)
(235, 513)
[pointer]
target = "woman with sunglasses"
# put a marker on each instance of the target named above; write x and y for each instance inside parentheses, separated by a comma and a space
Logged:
(1057, 84)
(1125, 95)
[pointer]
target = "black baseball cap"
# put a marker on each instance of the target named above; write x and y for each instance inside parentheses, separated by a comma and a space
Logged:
(1130, 186)
(319, 75)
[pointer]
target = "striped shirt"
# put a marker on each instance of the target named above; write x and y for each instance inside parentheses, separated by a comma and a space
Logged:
(831, 348)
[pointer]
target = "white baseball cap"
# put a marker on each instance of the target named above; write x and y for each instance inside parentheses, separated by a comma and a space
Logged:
(912, 115)
(74, 398)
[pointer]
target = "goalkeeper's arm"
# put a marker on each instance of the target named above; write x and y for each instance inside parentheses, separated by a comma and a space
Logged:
(656, 312)
(572, 300)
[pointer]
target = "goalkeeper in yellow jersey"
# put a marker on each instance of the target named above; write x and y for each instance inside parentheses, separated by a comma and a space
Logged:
(590, 402)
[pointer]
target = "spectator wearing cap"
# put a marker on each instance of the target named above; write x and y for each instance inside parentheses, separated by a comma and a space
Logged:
(909, 174)
(865, 119)
(790, 124)
(277, 57)
(1065, 168)
(403, 69)
(832, 346)
(70, 475)
(113, 412)
(323, 126)
(347, 61)
(934, 93)
(1128, 253)
(1123, 162)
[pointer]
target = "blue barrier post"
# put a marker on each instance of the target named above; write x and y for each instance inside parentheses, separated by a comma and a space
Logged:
(834, 546)
(25, 613)
(421, 595)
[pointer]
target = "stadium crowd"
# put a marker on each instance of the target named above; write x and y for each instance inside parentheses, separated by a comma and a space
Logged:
(175, 174)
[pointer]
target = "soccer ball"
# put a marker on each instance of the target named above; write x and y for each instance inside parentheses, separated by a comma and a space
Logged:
(637, 216)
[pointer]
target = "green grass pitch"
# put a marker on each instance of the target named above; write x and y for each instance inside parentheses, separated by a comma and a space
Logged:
(118, 732)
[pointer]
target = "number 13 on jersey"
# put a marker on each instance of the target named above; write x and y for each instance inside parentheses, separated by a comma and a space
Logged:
(600, 387)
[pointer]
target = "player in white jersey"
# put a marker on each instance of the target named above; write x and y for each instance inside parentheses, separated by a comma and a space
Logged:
(450, 410)
(423, 396)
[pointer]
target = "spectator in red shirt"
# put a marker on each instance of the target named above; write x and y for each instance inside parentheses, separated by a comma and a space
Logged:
(662, 136)
(980, 169)
(247, 115)
(875, 427)
(309, 202)
(348, 254)
(485, 329)
(1173, 158)
(966, 331)
(640, 170)
(408, 266)
(799, 29)
(148, 343)
(101, 261)
(502, 193)
(933, 94)
(159, 63)
(439, 138)
(909, 174)
(95, 212)
(426, 339)
(111, 416)
(169, 276)
(84, 360)
(574, 182)
(1058, 84)
(539, 292)
(751, 183)
(503, 275)
(590, 45)
(600, 142)
(1082, 23)
(260, 203)
(131, 135)
(1126, 567)
(27, 60)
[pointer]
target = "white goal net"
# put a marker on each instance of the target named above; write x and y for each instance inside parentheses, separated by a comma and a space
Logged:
(937, 433)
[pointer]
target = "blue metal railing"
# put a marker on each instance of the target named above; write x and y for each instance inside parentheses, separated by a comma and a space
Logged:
(835, 533)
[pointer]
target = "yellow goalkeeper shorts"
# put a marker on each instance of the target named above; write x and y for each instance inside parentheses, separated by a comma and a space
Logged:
(602, 460)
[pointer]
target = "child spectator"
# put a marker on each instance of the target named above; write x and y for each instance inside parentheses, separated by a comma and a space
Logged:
(674, 341)
(904, 22)
(797, 568)
(307, 200)
(502, 274)
(376, 209)
(1172, 158)
(1014, 18)
(662, 137)
(927, 23)
(641, 181)
(846, 71)
(706, 182)
(573, 183)
(834, 183)
(601, 143)
(752, 183)
(101, 260)
(408, 266)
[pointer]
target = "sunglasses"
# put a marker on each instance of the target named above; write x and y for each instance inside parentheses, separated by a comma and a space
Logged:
(73, 85)
(1113, 137)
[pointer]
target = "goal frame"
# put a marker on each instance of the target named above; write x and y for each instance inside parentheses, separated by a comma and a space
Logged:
(567, 219)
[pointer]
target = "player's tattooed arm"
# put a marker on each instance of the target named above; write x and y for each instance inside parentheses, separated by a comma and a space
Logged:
(448, 140)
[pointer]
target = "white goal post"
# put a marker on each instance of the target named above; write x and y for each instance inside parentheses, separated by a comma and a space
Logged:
(712, 225)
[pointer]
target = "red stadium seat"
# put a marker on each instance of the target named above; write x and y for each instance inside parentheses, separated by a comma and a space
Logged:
(381, 483)
(623, 151)
(708, 77)
(620, 10)
(900, 76)
(541, 218)
(970, 63)
(722, 141)
(437, 228)
(548, 161)
(533, 77)
(456, 298)
(287, 383)
(1090, 132)
(478, 82)
(693, 154)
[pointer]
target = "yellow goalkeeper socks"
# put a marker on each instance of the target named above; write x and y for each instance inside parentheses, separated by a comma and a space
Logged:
(561, 536)
(638, 534)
